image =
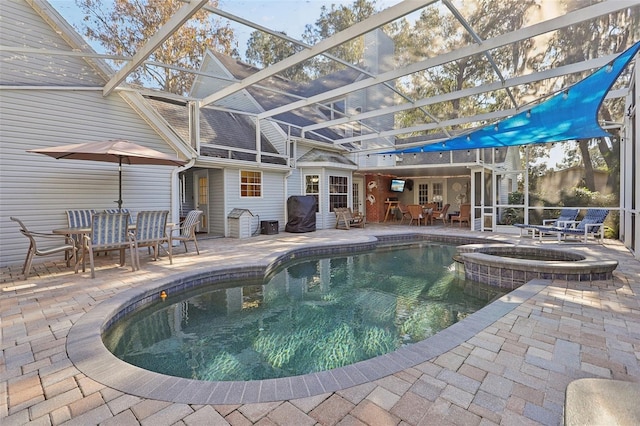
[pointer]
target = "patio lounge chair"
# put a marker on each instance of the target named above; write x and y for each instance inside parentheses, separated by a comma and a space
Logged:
(44, 244)
(186, 231)
(567, 217)
(463, 216)
(151, 232)
(345, 218)
(109, 232)
(592, 224)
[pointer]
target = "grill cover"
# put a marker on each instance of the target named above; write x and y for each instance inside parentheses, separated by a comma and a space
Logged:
(301, 210)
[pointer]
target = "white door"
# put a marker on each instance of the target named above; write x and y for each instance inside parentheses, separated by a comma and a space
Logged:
(201, 195)
(358, 195)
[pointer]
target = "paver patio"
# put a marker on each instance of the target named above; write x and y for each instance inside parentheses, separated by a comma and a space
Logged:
(514, 371)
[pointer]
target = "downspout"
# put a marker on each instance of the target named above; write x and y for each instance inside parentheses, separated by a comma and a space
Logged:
(258, 142)
(287, 175)
(193, 112)
(175, 190)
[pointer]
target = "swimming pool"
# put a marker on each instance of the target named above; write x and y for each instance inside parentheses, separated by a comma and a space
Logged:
(307, 316)
(89, 355)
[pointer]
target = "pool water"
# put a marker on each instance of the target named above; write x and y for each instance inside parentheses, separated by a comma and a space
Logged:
(313, 315)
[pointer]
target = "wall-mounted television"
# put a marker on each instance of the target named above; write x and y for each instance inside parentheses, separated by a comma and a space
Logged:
(397, 185)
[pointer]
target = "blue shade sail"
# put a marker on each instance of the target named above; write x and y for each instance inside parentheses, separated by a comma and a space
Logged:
(568, 115)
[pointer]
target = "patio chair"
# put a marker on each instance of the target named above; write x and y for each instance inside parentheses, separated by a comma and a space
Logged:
(416, 213)
(151, 231)
(463, 216)
(79, 218)
(121, 211)
(345, 219)
(592, 224)
(45, 244)
(109, 232)
(441, 215)
(186, 231)
(404, 213)
(567, 216)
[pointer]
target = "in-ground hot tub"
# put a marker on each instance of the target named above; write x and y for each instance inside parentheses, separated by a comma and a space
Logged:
(510, 266)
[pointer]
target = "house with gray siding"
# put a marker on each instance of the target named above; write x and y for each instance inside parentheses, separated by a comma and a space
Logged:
(52, 92)
(48, 100)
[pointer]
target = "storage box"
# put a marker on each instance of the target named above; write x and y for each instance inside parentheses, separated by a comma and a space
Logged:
(268, 227)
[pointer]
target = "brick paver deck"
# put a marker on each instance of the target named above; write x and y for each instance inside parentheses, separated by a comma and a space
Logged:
(512, 371)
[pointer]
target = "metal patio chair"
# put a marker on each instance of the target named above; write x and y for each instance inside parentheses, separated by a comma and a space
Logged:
(186, 231)
(121, 211)
(109, 232)
(79, 218)
(45, 244)
(151, 231)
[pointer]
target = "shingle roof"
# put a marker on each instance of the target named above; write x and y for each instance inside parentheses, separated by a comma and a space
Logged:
(321, 156)
(216, 127)
(268, 99)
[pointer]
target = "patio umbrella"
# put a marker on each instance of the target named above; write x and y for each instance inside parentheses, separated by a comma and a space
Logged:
(112, 151)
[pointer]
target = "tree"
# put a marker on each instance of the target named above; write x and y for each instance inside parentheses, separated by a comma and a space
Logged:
(436, 31)
(126, 26)
(265, 49)
(332, 21)
(605, 35)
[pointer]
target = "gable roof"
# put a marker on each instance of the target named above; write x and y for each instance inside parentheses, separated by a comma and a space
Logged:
(317, 155)
(277, 91)
(42, 69)
(217, 127)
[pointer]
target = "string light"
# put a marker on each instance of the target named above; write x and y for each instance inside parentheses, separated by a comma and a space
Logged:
(414, 155)
(609, 67)
(468, 138)
(496, 128)
(529, 114)
(565, 94)
(468, 152)
(440, 155)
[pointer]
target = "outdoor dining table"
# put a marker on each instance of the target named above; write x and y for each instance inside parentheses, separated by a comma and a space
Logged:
(428, 214)
(81, 232)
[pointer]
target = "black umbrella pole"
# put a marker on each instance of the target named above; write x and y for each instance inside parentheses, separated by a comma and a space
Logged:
(120, 185)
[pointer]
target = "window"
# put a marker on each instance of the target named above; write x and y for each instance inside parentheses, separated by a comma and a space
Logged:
(250, 183)
(333, 110)
(338, 191)
(312, 187)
